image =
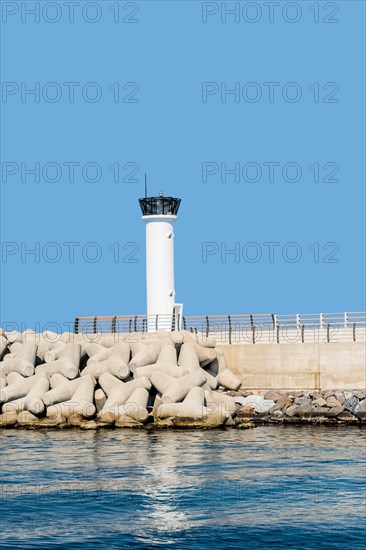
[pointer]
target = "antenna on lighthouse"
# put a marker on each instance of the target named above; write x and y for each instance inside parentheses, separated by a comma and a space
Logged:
(145, 187)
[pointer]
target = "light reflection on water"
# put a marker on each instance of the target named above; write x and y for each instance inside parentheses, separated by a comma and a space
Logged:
(288, 487)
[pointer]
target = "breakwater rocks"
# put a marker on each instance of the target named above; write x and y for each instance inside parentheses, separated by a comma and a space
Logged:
(315, 407)
(152, 380)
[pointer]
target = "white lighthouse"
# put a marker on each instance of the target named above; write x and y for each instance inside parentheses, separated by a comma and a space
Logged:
(159, 213)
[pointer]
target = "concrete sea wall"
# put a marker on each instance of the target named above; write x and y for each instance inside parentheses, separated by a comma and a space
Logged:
(308, 366)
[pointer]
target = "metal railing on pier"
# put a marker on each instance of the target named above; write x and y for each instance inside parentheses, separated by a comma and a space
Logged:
(265, 328)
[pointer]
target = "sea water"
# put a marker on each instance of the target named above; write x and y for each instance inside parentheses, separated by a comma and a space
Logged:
(282, 487)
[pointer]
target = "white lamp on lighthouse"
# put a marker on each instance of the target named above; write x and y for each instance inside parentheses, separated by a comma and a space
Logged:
(159, 213)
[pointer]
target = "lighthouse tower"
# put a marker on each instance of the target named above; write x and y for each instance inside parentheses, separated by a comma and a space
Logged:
(159, 213)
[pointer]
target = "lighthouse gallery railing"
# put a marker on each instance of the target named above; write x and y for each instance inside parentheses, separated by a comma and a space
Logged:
(242, 328)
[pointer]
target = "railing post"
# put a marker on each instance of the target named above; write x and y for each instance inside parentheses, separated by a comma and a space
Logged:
(354, 332)
(302, 333)
(207, 326)
(253, 331)
(278, 333)
(156, 322)
(130, 325)
(345, 320)
(114, 323)
(95, 325)
(135, 324)
(76, 325)
(328, 325)
(297, 319)
(184, 323)
(230, 328)
(321, 318)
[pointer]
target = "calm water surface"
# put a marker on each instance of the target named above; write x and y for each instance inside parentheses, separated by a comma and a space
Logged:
(283, 487)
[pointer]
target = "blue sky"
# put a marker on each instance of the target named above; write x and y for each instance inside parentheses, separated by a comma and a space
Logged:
(150, 93)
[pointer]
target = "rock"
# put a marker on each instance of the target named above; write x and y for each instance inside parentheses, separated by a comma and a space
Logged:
(340, 397)
(239, 400)
(346, 416)
(76, 420)
(360, 410)
(319, 402)
(8, 419)
(315, 395)
(247, 411)
(290, 411)
(273, 395)
(305, 400)
(166, 423)
(125, 421)
(333, 402)
(359, 394)
(327, 394)
(230, 422)
(284, 402)
(89, 425)
(26, 418)
(350, 403)
(53, 422)
(277, 415)
(298, 394)
(319, 412)
(335, 411)
(245, 426)
(304, 411)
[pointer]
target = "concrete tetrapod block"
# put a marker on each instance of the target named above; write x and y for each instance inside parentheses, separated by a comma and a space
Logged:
(188, 358)
(8, 357)
(24, 361)
(161, 380)
(205, 355)
(123, 390)
(167, 355)
(191, 407)
(168, 368)
(146, 356)
(135, 407)
(99, 399)
(219, 402)
(17, 389)
(62, 392)
(229, 380)
(198, 338)
(54, 352)
(97, 353)
(57, 380)
(13, 335)
(3, 381)
(116, 363)
(14, 377)
(3, 345)
(180, 387)
(108, 382)
(177, 338)
(219, 364)
(212, 381)
(81, 402)
(67, 364)
(32, 400)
